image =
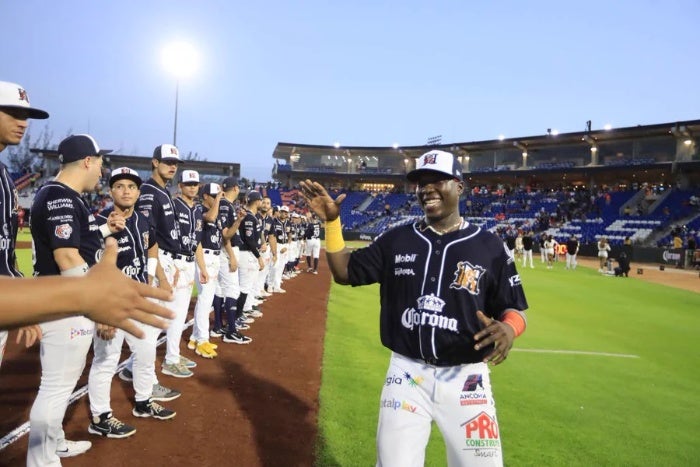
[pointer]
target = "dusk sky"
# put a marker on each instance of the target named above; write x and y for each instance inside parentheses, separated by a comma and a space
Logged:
(362, 73)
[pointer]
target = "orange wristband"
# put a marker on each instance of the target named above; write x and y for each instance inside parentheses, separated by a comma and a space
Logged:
(515, 321)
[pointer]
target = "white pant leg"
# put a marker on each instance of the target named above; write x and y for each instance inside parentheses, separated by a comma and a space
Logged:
(104, 365)
(143, 361)
(279, 267)
(573, 261)
(248, 273)
(182, 291)
(465, 413)
(64, 346)
(405, 413)
(205, 299)
(315, 247)
(260, 283)
(3, 342)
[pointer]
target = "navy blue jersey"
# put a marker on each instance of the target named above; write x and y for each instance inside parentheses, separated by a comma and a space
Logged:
(432, 286)
(266, 222)
(9, 207)
(251, 234)
(313, 230)
(156, 203)
(190, 219)
(227, 212)
(281, 230)
(132, 244)
(61, 219)
(211, 232)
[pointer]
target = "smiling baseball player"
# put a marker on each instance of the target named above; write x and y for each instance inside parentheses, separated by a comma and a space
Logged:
(451, 302)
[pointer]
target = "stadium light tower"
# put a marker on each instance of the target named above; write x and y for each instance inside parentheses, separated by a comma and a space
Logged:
(180, 59)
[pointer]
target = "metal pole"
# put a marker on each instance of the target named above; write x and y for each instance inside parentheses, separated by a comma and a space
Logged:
(177, 89)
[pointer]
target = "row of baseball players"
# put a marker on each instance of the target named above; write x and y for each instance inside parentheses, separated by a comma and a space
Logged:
(161, 240)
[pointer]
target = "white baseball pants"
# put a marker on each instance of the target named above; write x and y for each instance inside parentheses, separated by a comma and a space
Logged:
(313, 247)
(64, 346)
(180, 275)
(457, 398)
(205, 297)
(228, 284)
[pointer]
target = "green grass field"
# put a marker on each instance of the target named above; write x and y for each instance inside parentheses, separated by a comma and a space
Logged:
(555, 409)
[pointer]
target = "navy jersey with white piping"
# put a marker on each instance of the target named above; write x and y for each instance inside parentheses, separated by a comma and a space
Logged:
(156, 203)
(227, 212)
(132, 243)
(60, 219)
(313, 230)
(190, 220)
(251, 234)
(266, 222)
(9, 207)
(432, 286)
(281, 230)
(211, 232)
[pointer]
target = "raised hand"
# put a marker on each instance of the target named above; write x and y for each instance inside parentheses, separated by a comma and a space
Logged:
(320, 201)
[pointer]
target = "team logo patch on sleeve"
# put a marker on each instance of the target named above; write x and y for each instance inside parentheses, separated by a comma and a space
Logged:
(63, 231)
(144, 235)
(467, 277)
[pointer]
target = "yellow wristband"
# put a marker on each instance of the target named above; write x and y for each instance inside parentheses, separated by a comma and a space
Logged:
(334, 236)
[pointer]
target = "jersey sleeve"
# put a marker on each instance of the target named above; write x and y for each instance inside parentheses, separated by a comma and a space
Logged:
(366, 264)
(249, 234)
(148, 205)
(62, 223)
(507, 289)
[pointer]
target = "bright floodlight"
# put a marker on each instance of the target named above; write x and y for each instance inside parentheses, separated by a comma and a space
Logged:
(608, 126)
(501, 137)
(336, 145)
(395, 145)
(555, 132)
(180, 59)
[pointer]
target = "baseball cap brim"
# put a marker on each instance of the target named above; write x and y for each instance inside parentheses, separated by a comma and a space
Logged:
(37, 114)
(413, 175)
(133, 178)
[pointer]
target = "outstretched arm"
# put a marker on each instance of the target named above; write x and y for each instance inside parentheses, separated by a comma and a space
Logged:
(105, 295)
(328, 209)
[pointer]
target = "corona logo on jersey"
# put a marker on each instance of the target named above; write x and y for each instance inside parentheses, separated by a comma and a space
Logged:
(481, 432)
(467, 277)
(428, 306)
(431, 303)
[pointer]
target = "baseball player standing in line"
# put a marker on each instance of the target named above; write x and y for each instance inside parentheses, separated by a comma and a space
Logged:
(313, 243)
(66, 241)
(15, 110)
(156, 203)
(571, 252)
(189, 215)
(451, 302)
(228, 287)
(211, 242)
(137, 258)
(527, 249)
(268, 252)
(249, 265)
(281, 230)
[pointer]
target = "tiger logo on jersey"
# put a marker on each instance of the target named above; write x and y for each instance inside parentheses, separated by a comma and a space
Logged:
(467, 277)
(144, 236)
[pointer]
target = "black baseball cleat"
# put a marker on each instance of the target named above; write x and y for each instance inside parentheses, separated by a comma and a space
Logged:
(107, 425)
(153, 409)
(236, 338)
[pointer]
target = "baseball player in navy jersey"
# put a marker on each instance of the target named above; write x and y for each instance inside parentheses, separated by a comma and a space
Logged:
(281, 229)
(66, 241)
(249, 265)
(264, 216)
(15, 110)
(211, 241)
(451, 302)
(156, 203)
(312, 235)
(228, 288)
(189, 215)
(137, 251)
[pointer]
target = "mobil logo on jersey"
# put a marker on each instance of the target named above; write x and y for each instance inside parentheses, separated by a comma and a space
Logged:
(467, 277)
(481, 432)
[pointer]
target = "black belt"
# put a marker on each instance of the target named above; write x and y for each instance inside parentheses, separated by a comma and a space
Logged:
(189, 259)
(211, 252)
(442, 363)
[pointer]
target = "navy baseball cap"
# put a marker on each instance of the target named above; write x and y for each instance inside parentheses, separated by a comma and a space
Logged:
(436, 161)
(125, 172)
(254, 196)
(229, 182)
(78, 147)
(14, 96)
(167, 152)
